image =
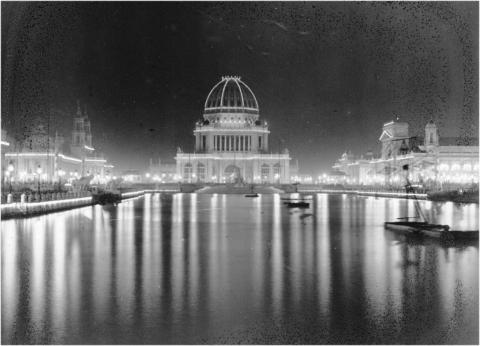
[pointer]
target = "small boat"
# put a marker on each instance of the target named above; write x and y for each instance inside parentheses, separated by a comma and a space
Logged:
(252, 195)
(297, 204)
(421, 228)
(107, 198)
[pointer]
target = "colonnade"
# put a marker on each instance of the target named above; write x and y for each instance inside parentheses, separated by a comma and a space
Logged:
(232, 143)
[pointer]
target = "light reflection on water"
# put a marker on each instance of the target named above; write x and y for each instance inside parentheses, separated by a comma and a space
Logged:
(187, 268)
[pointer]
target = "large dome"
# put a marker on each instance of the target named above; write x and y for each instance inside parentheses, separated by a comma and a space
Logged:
(231, 95)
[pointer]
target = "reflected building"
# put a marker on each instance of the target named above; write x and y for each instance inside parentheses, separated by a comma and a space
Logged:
(431, 160)
(231, 142)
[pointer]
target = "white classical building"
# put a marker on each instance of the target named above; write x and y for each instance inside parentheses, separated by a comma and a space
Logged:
(432, 161)
(231, 143)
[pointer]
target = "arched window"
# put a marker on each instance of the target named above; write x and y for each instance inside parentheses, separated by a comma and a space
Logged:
(201, 172)
(187, 172)
(265, 172)
(276, 172)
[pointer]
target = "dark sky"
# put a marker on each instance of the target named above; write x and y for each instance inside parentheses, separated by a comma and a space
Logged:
(326, 74)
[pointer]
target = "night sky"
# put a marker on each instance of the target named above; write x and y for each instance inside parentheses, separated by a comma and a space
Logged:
(326, 74)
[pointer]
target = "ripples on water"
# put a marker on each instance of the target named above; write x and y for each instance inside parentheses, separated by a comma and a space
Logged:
(189, 268)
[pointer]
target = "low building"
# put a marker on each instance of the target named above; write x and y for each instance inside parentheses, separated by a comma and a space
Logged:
(132, 176)
(162, 172)
(431, 161)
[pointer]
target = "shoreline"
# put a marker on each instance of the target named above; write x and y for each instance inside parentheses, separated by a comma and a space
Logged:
(20, 210)
(29, 209)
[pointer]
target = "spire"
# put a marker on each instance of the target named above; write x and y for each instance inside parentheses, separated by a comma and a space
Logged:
(79, 111)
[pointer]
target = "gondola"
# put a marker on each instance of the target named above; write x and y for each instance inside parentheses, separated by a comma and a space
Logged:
(252, 195)
(297, 204)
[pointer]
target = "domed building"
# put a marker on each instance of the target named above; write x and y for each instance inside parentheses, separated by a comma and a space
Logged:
(231, 142)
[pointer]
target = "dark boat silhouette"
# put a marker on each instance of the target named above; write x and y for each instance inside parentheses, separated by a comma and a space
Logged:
(297, 204)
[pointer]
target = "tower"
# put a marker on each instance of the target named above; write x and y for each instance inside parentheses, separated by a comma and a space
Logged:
(81, 134)
(431, 136)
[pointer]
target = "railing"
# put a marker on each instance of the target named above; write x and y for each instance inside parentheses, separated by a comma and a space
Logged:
(23, 197)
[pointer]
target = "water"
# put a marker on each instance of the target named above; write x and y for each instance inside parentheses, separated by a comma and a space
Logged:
(187, 268)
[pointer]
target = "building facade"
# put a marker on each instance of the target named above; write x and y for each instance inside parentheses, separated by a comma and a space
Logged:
(41, 157)
(432, 161)
(162, 172)
(231, 142)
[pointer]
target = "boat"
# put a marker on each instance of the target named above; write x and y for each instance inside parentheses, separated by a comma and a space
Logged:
(107, 198)
(421, 228)
(424, 227)
(252, 195)
(297, 204)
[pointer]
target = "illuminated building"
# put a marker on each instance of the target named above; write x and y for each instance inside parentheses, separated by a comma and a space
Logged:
(163, 172)
(132, 176)
(45, 158)
(433, 161)
(231, 142)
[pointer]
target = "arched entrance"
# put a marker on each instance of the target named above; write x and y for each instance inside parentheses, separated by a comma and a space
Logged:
(232, 174)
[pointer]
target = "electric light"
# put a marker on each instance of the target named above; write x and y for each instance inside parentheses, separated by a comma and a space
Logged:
(147, 175)
(39, 170)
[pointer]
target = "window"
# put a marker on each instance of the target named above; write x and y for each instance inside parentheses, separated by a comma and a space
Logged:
(276, 172)
(204, 142)
(201, 172)
(187, 172)
(259, 142)
(265, 172)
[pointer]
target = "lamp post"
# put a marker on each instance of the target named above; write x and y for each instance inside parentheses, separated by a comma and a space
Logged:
(39, 172)
(10, 173)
